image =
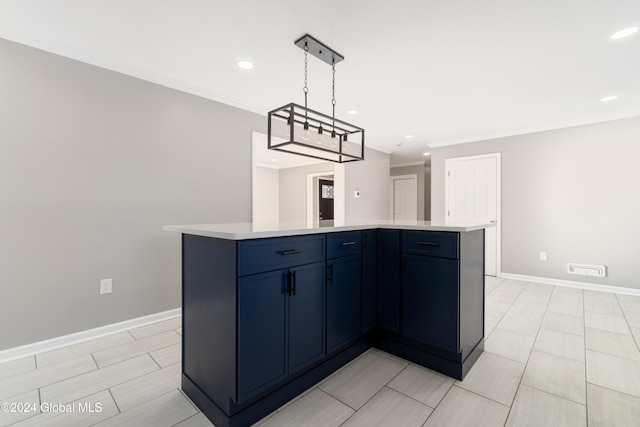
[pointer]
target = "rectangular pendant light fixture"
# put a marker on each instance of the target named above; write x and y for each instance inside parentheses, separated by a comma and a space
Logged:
(297, 129)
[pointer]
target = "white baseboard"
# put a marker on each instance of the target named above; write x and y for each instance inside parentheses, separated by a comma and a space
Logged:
(572, 284)
(89, 334)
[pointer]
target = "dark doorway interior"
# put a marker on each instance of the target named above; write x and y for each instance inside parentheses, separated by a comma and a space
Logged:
(325, 201)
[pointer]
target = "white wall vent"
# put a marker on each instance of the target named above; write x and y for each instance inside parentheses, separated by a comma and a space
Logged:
(587, 270)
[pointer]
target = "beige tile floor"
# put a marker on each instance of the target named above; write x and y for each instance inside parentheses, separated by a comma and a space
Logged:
(554, 356)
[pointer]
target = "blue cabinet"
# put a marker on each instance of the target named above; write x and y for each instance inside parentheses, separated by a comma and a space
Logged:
(343, 301)
(257, 256)
(306, 321)
(264, 319)
(281, 311)
(441, 299)
(343, 244)
(344, 277)
(389, 280)
(430, 288)
(280, 325)
(430, 300)
(369, 280)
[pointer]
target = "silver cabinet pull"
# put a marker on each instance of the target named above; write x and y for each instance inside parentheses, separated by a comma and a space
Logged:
(348, 244)
(427, 243)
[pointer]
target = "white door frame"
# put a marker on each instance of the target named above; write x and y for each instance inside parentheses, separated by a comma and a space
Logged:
(497, 156)
(312, 197)
(391, 190)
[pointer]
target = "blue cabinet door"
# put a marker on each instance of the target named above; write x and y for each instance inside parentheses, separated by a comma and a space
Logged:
(280, 325)
(369, 251)
(343, 301)
(430, 300)
(306, 316)
(388, 270)
(262, 320)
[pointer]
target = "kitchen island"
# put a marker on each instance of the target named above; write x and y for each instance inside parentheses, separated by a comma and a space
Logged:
(269, 310)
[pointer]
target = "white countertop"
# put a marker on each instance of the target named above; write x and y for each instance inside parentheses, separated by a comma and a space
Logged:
(244, 231)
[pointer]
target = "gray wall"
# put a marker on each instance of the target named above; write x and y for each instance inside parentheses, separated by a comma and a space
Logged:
(267, 195)
(371, 177)
(417, 170)
(92, 165)
(293, 190)
(571, 192)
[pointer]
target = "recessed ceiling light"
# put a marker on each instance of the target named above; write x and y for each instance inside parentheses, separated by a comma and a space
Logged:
(245, 65)
(274, 160)
(609, 98)
(352, 112)
(408, 136)
(625, 32)
(426, 154)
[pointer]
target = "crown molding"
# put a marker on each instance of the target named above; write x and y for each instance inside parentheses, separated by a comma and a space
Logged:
(119, 67)
(539, 128)
(399, 165)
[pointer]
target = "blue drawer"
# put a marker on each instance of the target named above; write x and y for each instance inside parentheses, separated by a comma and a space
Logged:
(343, 244)
(257, 256)
(433, 243)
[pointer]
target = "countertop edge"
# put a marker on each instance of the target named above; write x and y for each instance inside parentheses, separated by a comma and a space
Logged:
(201, 230)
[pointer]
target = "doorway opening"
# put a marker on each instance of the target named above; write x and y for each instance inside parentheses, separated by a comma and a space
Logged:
(325, 201)
(321, 199)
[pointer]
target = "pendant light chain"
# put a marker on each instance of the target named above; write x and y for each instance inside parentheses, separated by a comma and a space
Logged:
(305, 89)
(333, 92)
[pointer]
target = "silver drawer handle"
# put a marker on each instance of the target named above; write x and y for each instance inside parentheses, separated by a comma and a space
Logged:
(292, 252)
(348, 244)
(427, 243)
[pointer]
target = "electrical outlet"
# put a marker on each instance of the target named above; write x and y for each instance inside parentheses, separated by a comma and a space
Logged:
(106, 286)
(543, 256)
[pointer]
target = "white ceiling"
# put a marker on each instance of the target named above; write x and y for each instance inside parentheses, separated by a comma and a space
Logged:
(443, 71)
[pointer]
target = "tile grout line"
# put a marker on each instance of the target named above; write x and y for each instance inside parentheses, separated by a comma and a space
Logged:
(152, 358)
(335, 398)
(112, 385)
(133, 357)
(529, 357)
(503, 314)
(114, 400)
(612, 355)
(63, 379)
(627, 321)
(190, 402)
(405, 395)
(440, 401)
(95, 361)
(614, 390)
(477, 394)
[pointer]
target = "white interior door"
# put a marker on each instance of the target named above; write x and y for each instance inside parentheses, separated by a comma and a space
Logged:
(404, 197)
(473, 196)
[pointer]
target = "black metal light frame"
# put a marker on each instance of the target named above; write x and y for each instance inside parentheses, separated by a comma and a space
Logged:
(343, 142)
(285, 133)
